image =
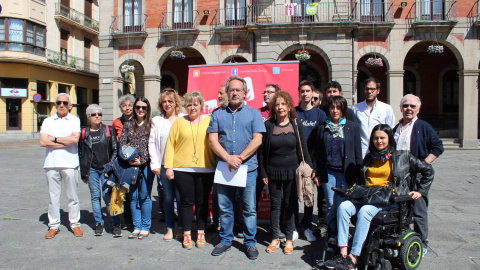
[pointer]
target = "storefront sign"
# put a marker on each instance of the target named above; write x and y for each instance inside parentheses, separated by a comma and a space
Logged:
(14, 92)
(208, 79)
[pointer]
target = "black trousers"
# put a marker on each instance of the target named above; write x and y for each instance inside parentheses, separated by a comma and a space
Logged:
(420, 217)
(321, 204)
(194, 189)
(282, 192)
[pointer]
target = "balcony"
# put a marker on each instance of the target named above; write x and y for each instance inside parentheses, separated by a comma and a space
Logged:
(72, 62)
(230, 17)
(441, 14)
(74, 17)
(129, 26)
(172, 22)
(375, 14)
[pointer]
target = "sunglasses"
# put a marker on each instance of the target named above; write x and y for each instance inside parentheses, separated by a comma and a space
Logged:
(58, 102)
(96, 114)
(144, 108)
(315, 98)
(168, 91)
(413, 106)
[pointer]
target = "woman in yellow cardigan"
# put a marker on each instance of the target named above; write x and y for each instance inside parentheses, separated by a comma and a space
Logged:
(191, 164)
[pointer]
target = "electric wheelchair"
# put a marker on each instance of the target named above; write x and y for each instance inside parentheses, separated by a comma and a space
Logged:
(390, 242)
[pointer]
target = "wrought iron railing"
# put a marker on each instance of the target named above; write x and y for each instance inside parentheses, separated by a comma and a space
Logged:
(370, 11)
(72, 61)
(435, 10)
(128, 24)
(187, 19)
(231, 17)
(76, 16)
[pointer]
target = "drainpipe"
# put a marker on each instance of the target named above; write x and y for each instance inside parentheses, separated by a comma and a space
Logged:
(254, 51)
(353, 68)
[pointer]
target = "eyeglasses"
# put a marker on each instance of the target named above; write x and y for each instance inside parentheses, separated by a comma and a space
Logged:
(269, 92)
(96, 114)
(315, 98)
(124, 106)
(370, 89)
(138, 108)
(235, 90)
(58, 102)
(413, 106)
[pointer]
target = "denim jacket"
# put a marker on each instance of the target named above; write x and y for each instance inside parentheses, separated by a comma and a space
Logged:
(121, 168)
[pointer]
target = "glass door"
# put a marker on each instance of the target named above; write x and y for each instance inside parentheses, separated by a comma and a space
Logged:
(14, 114)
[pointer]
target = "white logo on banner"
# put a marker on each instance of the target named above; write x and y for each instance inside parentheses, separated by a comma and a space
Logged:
(250, 95)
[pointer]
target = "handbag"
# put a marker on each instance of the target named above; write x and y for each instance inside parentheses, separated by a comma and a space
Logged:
(303, 177)
(371, 195)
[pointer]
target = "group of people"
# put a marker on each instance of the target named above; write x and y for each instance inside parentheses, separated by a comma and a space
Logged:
(342, 146)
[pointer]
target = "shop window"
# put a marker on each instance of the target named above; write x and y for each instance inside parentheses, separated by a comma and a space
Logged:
(43, 107)
(82, 105)
(14, 83)
(43, 88)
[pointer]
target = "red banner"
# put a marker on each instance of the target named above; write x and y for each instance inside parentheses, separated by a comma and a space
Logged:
(208, 79)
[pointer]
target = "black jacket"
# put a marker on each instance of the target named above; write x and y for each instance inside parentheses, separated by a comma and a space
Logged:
(405, 166)
(85, 154)
(353, 152)
(264, 150)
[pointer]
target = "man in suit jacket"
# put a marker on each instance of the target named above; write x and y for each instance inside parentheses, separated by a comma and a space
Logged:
(420, 139)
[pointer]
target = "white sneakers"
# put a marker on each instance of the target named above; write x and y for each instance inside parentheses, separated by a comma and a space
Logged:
(295, 235)
(309, 235)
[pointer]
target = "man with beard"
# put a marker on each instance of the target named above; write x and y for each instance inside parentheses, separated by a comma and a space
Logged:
(372, 112)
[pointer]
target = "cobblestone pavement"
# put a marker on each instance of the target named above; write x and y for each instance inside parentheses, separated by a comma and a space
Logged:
(454, 225)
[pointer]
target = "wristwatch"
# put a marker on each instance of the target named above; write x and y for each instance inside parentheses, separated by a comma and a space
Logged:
(55, 140)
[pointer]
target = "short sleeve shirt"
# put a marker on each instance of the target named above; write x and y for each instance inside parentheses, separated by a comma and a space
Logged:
(61, 127)
(235, 130)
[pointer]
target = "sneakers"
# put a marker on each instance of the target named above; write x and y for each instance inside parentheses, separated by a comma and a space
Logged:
(51, 233)
(117, 231)
(220, 249)
(252, 253)
(425, 250)
(77, 232)
(99, 230)
(330, 264)
(295, 235)
(346, 264)
(309, 235)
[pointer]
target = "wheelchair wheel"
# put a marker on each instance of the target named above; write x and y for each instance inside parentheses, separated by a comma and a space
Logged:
(411, 253)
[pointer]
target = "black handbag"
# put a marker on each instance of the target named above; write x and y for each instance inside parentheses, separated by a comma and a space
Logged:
(363, 195)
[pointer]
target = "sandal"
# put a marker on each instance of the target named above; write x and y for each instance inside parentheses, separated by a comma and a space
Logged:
(271, 248)
(187, 241)
(288, 250)
(143, 235)
(168, 237)
(201, 240)
(134, 235)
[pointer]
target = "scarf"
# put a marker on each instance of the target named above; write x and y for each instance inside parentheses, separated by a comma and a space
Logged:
(336, 131)
(382, 155)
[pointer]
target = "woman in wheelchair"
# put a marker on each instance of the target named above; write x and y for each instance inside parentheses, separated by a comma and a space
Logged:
(382, 166)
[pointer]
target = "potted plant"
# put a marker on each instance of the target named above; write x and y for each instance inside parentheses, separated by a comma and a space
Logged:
(177, 55)
(128, 71)
(435, 49)
(374, 62)
(302, 55)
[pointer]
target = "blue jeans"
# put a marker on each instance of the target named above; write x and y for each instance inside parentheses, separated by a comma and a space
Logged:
(226, 199)
(141, 203)
(170, 192)
(365, 214)
(98, 188)
(335, 179)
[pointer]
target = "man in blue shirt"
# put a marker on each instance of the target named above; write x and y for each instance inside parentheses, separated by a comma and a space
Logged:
(235, 133)
(310, 117)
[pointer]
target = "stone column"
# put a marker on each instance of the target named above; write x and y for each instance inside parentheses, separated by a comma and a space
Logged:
(395, 91)
(468, 114)
(152, 88)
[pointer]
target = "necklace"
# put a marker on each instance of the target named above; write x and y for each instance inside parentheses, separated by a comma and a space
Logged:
(195, 140)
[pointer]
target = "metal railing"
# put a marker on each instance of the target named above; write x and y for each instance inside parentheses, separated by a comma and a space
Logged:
(375, 11)
(72, 61)
(231, 17)
(76, 16)
(176, 20)
(435, 10)
(128, 24)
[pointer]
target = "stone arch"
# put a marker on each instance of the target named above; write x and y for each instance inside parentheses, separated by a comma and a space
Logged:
(129, 57)
(310, 47)
(380, 52)
(234, 56)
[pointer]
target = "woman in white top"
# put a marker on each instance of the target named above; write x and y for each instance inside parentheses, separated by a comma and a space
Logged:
(170, 106)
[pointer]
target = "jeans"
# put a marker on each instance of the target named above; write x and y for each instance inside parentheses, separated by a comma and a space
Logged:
(365, 214)
(282, 192)
(170, 192)
(226, 198)
(99, 188)
(335, 179)
(141, 203)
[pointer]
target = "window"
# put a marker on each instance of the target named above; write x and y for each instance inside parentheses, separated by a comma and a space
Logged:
(64, 34)
(82, 105)
(24, 36)
(182, 14)
(450, 92)
(235, 12)
(132, 15)
(372, 10)
(43, 88)
(95, 96)
(63, 89)
(409, 83)
(15, 33)
(432, 10)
